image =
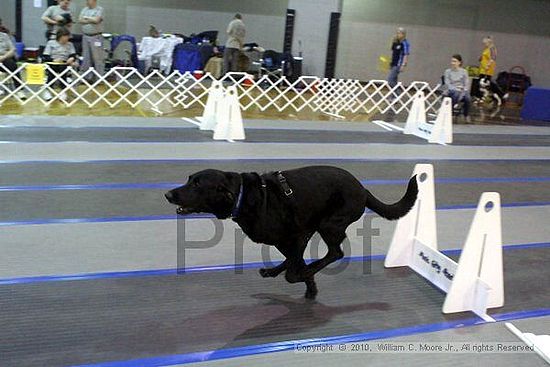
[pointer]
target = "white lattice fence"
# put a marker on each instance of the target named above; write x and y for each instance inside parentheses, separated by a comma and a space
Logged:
(156, 91)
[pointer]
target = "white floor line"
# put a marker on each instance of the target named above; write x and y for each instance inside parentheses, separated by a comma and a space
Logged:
(169, 122)
(82, 151)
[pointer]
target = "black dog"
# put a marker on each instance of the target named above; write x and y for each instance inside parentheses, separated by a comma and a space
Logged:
(284, 209)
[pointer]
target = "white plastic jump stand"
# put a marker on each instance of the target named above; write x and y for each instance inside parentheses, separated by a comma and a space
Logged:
(440, 131)
(215, 97)
(417, 116)
(229, 119)
(476, 282)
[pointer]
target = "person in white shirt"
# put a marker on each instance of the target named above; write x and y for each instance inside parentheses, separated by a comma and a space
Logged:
(236, 31)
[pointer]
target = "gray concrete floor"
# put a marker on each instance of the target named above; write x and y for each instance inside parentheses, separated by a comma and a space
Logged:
(488, 334)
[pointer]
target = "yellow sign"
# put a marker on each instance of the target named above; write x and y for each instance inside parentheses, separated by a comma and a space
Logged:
(383, 63)
(35, 74)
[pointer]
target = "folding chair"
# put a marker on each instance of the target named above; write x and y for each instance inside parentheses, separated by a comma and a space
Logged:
(272, 65)
(124, 51)
(255, 57)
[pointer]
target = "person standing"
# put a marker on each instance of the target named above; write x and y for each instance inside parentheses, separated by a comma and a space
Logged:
(400, 56)
(57, 16)
(487, 66)
(7, 59)
(488, 59)
(456, 81)
(236, 31)
(91, 18)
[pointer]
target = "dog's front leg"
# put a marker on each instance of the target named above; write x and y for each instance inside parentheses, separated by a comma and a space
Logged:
(311, 289)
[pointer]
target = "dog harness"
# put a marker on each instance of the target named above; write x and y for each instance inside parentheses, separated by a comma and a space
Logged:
(284, 184)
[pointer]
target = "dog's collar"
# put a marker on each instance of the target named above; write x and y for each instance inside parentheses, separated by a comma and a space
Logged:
(238, 203)
(237, 206)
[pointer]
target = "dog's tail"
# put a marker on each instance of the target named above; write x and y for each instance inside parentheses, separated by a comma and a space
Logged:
(395, 210)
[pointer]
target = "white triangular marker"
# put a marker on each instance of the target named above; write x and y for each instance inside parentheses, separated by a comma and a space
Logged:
(417, 114)
(215, 97)
(230, 122)
(442, 132)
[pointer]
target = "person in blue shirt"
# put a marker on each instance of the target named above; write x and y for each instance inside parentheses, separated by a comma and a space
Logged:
(400, 55)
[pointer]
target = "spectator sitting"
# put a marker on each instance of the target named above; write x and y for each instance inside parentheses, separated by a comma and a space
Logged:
(7, 60)
(456, 82)
(60, 54)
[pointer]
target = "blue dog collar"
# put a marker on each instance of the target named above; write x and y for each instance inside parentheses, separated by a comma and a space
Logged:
(237, 207)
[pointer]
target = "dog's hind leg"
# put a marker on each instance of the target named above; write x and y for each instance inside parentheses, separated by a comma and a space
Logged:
(497, 99)
(295, 266)
(294, 258)
(333, 232)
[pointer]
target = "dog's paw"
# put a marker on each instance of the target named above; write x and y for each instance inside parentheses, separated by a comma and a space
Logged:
(311, 292)
(265, 273)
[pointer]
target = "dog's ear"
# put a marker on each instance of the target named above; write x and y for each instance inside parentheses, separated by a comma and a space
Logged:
(230, 186)
(228, 195)
(232, 180)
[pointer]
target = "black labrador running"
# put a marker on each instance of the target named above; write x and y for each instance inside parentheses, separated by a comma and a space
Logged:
(284, 209)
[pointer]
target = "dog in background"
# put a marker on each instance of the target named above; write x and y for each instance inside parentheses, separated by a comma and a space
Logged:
(490, 91)
(284, 209)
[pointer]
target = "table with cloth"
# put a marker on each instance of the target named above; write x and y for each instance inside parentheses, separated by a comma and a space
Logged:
(163, 48)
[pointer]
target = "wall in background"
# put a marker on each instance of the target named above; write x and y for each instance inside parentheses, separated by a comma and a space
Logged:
(438, 29)
(33, 27)
(265, 19)
(7, 13)
(311, 32)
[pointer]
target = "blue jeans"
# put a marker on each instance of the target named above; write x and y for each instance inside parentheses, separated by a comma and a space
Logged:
(463, 97)
(392, 77)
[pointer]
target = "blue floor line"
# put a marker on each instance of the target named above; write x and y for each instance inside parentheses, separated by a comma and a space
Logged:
(30, 222)
(169, 185)
(248, 160)
(291, 345)
(251, 142)
(213, 268)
